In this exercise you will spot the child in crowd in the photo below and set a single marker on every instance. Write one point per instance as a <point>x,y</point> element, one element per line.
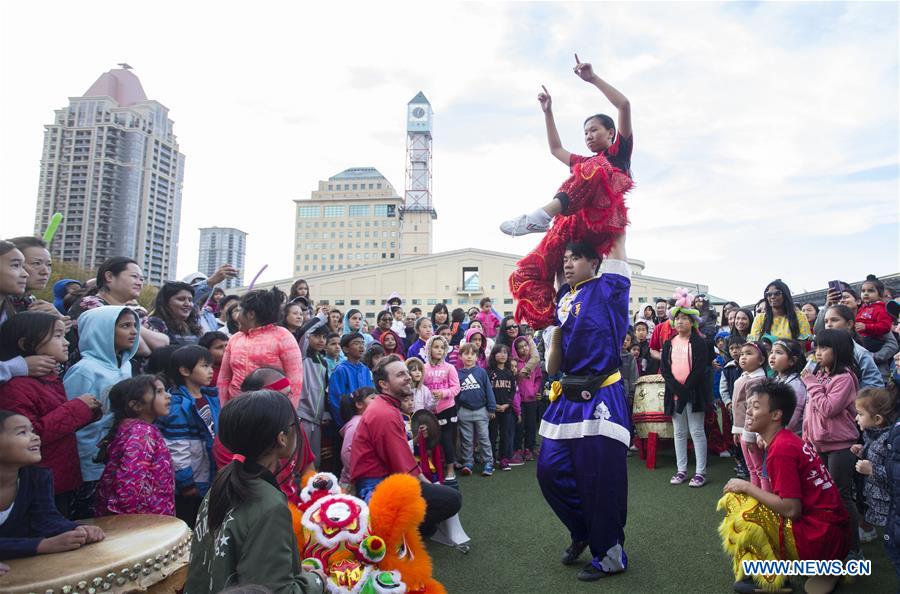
<point>424,331</point>
<point>107,340</point>
<point>349,375</point>
<point>503,425</point>
<point>477,406</point>
<point>244,532</point>
<point>215,343</point>
<point>828,421</point>
<point>647,365</point>
<point>138,478</point>
<point>752,362</point>
<point>872,318</point>
<point>445,331</point>
<point>731,371</point>
<point>353,322</point>
<point>875,413</point>
<point>442,380</point>
<point>190,427</point>
<point>683,366</point>
<point>373,355</point>
<point>787,360</point>
<point>475,335</point>
<point>333,352</point>
<point>312,407</point>
<point>43,400</point>
<point>422,398</point>
<point>528,385</point>
<point>352,408</point>
<point>489,320</point>
<point>260,343</point>
<point>398,324</point>
<point>30,524</point>
<point>392,344</point>
<point>628,368</point>
<point>802,491</point>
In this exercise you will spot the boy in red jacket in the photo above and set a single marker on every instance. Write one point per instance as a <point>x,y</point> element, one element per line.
<point>872,319</point>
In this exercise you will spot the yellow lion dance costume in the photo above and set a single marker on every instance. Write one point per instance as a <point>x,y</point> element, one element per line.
<point>365,549</point>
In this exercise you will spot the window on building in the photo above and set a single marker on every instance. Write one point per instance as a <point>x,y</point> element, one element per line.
<point>432,302</point>
<point>392,255</point>
<point>507,302</point>
<point>379,186</point>
<point>339,302</point>
<point>464,302</point>
<point>417,302</point>
<point>309,212</point>
<point>359,210</point>
<point>471,280</point>
<point>381,210</point>
<point>354,302</point>
<point>306,268</point>
<point>370,302</point>
<point>370,315</point>
<point>371,186</point>
<point>354,186</point>
<point>346,186</point>
<point>448,302</point>
<point>334,211</point>
<point>330,187</point>
<point>642,300</point>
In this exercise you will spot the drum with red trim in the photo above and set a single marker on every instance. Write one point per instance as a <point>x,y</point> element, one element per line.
<point>648,416</point>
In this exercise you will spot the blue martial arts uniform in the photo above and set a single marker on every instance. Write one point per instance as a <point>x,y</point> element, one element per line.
<point>582,463</point>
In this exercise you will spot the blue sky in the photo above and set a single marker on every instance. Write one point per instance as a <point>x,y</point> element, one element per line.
<point>766,134</point>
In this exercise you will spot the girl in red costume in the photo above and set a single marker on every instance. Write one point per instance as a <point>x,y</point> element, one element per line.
<point>590,205</point>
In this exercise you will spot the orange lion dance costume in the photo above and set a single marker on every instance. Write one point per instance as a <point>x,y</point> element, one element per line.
<point>365,549</point>
<point>596,213</point>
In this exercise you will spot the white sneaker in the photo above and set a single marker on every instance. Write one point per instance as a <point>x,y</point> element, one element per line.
<point>867,536</point>
<point>725,454</point>
<point>535,222</point>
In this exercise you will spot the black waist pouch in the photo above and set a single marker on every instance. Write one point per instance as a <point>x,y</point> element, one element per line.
<point>581,388</point>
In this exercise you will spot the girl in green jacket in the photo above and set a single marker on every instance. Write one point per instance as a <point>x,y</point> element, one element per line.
<point>243,533</point>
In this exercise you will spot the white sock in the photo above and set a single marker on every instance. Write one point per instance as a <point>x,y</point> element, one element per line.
<point>540,216</point>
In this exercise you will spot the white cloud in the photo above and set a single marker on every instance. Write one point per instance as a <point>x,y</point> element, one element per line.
<point>748,119</point>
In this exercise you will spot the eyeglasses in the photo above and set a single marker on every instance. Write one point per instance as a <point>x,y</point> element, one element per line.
<point>775,293</point>
<point>508,328</point>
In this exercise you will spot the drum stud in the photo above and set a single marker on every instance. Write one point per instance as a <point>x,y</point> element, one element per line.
<point>110,576</point>
<point>120,581</point>
<point>137,567</point>
<point>125,572</point>
<point>146,570</point>
<point>159,558</point>
<point>106,586</point>
<point>92,590</point>
<point>67,590</point>
<point>82,585</point>
<point>48,592</point>
<point>96,581</point>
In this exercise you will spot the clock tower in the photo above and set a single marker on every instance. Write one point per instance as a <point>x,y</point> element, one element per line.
<point>417,214</point>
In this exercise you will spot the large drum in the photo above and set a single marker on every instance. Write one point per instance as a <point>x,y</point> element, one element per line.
<point>139,554</point>
<point>648,416</point>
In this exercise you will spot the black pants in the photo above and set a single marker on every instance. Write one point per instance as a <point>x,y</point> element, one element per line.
<point>447,421</point>
<point>441,502</point>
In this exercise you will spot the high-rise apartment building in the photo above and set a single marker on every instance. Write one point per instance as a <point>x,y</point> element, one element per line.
<point>223,245</point>
<point>111,166</point>
<point>352,220</point>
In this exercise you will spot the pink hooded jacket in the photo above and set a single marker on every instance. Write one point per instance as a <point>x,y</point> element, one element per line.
<point>528,387</point>
<point>829,419</point>
<point>441,379</point>
<point>482,360</point>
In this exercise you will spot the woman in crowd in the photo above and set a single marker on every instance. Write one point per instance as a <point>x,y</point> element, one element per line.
<point>174,314</point>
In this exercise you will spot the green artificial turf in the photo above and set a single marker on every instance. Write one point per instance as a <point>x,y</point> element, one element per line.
<point>671,538</point>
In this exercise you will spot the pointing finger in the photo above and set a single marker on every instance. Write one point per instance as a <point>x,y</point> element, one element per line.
<point>577,61</point>
<point>545,89</point>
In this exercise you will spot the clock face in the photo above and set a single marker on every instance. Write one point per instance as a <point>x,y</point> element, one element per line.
<point>418,113</point>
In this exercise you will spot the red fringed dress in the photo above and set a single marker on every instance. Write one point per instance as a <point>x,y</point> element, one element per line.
<point>596,213</point>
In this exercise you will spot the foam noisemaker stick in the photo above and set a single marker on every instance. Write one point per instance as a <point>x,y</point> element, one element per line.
<point>253,282</point>
<point>55,220</point>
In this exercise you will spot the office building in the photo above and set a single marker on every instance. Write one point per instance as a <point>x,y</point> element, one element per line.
<point>223,245</point>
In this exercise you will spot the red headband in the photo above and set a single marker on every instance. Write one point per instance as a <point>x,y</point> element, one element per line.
<point>278,385</point>
<point>238,458</point>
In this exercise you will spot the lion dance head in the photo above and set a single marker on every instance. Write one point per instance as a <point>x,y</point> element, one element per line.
<point>365,549</point>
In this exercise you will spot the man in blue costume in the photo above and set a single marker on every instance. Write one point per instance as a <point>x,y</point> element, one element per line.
<point>587,428</point>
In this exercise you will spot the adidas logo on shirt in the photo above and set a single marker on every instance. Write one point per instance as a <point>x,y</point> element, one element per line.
<point>470,383</point>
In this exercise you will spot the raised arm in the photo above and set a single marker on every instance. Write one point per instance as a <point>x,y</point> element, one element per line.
<point>586,72</point>
<point>556,147</point>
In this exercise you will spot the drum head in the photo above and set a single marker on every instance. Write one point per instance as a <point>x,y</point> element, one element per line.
<point>138,551</point>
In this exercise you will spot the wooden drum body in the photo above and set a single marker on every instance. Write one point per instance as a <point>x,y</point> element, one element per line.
<point>139,554</point>
<point>649,403</point>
